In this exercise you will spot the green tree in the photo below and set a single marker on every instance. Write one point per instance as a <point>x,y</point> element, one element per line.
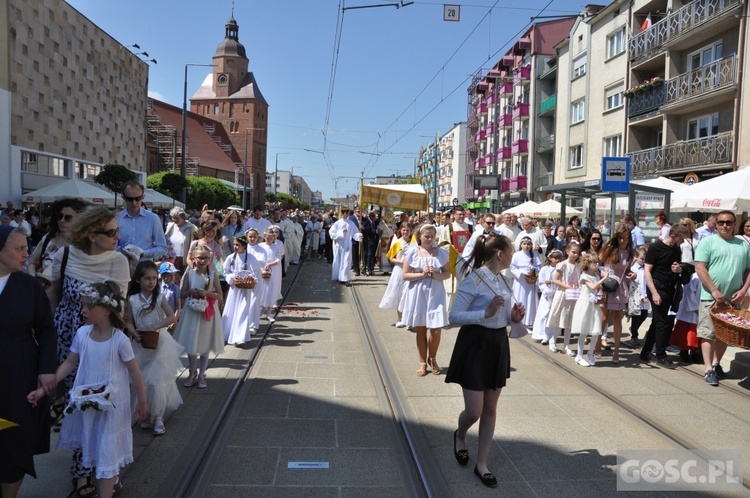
<point>114,176</point>
<point>168,183</point>
<point>211,191</point>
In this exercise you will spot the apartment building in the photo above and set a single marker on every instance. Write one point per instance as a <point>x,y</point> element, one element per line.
<point>511,114</point>
<point>683,97</point>
<point>592,67</point>
<point>441,168</point>
<point>72,98</point>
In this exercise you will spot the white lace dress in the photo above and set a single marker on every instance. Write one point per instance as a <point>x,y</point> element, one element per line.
<point>104,437</point>
<point>196,334</point>
<point>587,316</point>
<point>396,284</point>
<point>159,366</point>
<point>424,301</point>
<point>241,315</point>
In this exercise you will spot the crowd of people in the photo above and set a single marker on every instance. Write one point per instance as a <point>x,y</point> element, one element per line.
<point>108,300</point>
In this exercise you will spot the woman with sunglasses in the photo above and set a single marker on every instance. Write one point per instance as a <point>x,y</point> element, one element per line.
<point>91,258</point>
<point>592,243</point>
<point>62,213</point>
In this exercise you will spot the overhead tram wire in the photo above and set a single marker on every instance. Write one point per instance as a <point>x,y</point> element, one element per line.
<point>460,85</point>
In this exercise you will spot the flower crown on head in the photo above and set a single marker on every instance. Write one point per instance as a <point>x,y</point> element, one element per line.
<point>112,301</point>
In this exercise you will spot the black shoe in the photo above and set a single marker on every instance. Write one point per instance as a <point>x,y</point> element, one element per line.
<point>685,356</point>
<point>348,284</point>
<point>720,373</point>
<point>462,456</point>
<point>665,362</point>
<point>487,479</point>
<point>645,358</point>
<point>710,378</point>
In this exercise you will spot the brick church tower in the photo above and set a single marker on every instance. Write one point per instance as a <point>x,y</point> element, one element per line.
<point>231,96</point>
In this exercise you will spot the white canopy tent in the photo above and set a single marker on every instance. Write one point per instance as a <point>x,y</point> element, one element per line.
<point>521,208</point>
<point>644,201</point>
<point>154,199</point>
<point>551,209</point>
<point>730,192</point>
<point>72,188</point>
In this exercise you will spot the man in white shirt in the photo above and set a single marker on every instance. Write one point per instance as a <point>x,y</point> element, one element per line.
<point>287,228</point>
<point>538,239</point>
<point>256,221</point>
<point>507,227</point>
<point>446,242</point>
<point>708,228</point>
<point>342,233</point>
<point>635,231</point>
<point>19,221</point>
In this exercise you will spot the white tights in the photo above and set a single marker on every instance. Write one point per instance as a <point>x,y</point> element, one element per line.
<point>193,361</point>
<point>582,345</point>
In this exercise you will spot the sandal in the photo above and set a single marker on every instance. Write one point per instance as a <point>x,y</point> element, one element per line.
<point>85,490</point>
<point>434,365</point>
<point>56,412</point>
<point>422,370</point>
<point>191,380</point>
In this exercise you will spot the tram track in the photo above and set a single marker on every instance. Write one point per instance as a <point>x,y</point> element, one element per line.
<point>197,472</point>
<point>674,434</point>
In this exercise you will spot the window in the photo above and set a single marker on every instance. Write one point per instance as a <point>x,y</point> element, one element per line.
<point>579,66</point>
<point>705,56</point>
<point>612,146</point>
<point>613,97</point>
<point>576,157</point>
<point>616,43</point>
<point>45,165</point>
<point>577,111</point>
<point>704,126</point>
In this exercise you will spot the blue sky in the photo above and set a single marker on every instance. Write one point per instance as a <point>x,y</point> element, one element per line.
<point>401,75</point>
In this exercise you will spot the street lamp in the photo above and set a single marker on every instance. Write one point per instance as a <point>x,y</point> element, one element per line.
<point>183,194</point>
<point>276,173</point>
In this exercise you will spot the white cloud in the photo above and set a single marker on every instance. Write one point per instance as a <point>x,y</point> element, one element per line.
<point>156,95</point>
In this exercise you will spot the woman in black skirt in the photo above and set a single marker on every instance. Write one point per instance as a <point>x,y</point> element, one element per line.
<point>481,356</point>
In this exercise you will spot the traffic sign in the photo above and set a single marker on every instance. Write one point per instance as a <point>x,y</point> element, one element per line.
<point>615,174</point>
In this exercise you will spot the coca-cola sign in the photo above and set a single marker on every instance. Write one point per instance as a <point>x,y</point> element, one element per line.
<point>715,203</point>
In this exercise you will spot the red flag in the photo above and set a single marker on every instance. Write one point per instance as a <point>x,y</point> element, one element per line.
<point>647,23</point>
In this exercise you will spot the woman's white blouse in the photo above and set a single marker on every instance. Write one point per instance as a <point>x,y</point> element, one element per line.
<point>473,297</point>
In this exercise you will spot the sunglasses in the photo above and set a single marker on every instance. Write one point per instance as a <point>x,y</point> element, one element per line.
<point>728,223</point>
<point>489,222</point>
<point>67,217</point>
<point>132,199</point>
<point>111,233</point>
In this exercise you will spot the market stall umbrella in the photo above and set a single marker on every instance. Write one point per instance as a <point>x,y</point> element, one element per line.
<point>235,207</point>
<point>521,208</point>
<point>603,203</point>
<point>409,197</point>
<point>730,192</point>
<point>551,209</point>
<point>154,199</point>
<point>72,188</point>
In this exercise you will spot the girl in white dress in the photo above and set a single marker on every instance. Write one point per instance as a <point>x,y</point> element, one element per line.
<point>271,290</point>
<point>241,315</point>
<point>147,309</point>
<point>424,301</point>
<point>587,314</point>
<point>526,263</point>
<point>106,356</point>
<point>199,330</point>
<point>395,289</point>
<point>541,332</point>
<point>566,277</point>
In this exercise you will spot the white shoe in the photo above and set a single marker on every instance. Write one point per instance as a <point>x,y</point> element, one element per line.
<point>569,351</point>
<point>581,362</point>
<point>399,325</point>
<point>552,347</point>
<point>592,360</point>
<point>159,427</point>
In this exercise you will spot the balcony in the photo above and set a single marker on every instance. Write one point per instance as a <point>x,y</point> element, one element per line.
<point>491,98</point>
<point>522,73</point>
<point>544,180</point>
<point>518,183</point>
<point>505,89</point>
<point>521,45</point>
<point>703,80</point>
<point>482,108</point>
<point>504,153</point>
<point>481,136</point>
<point>490,128</point>
<point>646,101</point>
<point>520,146</point>
<point>479,163</point>
<point>547,106</point>
<point>546,144</point>
<point>507,61</point>
<point>505,121</point>
<point>521,110</point>
<point>505,184</point>
<point>707,151</point>
<point>676,25</point>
